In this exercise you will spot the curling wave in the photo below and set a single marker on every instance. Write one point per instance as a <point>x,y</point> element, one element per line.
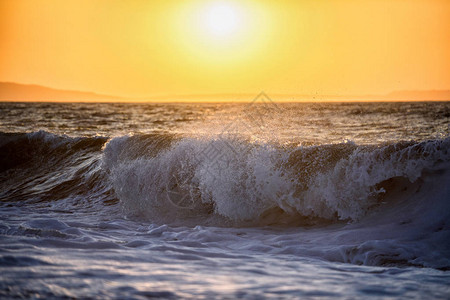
<point>168,179</point>
<point>397,194</point>
<point>383,205</point>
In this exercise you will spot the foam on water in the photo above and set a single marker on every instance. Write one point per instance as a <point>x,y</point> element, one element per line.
<point>334,182</point>
<point>395,193</point>
<point>174,214</point>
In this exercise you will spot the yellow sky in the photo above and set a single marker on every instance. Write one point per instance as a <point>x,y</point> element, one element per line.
<point>146,48</point>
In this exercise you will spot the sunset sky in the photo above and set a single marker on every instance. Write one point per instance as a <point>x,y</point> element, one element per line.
<point>148,48</point>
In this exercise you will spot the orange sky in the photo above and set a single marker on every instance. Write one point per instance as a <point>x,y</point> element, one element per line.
<point>146,48</point>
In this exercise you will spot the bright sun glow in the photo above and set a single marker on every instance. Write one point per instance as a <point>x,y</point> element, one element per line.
<point>222,19</point>
<point>220,35</point>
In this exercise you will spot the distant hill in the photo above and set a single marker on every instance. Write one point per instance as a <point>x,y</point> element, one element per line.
<point>24,92</point>
<point>28,92</point>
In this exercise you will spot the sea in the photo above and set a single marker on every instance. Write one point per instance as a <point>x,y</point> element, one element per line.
<point>256,200</point>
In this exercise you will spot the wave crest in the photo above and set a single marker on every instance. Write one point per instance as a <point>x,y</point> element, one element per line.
<point>262,184</point>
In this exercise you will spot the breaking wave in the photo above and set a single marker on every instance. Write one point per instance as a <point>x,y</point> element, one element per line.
<point>166,179</point>
<point>391,192</point>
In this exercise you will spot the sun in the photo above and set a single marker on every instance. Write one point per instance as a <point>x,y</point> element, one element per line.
<point>221,34</point>
<point>222,19</point>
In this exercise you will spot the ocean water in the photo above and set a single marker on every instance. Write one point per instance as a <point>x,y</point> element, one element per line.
<point>235,201</point>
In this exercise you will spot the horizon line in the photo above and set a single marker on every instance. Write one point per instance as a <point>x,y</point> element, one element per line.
<point>219,97</point>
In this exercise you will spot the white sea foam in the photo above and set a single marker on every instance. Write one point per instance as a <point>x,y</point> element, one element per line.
<point>163,214</point>
<point>248,181</point>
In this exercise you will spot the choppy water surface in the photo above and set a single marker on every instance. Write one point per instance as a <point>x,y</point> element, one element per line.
<point>261,200</point>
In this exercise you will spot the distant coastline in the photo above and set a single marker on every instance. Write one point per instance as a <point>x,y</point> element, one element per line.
<point>16,92</point>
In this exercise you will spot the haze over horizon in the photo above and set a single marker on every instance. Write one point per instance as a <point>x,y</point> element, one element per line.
<point>141,49</point>
<point>16,92</point>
